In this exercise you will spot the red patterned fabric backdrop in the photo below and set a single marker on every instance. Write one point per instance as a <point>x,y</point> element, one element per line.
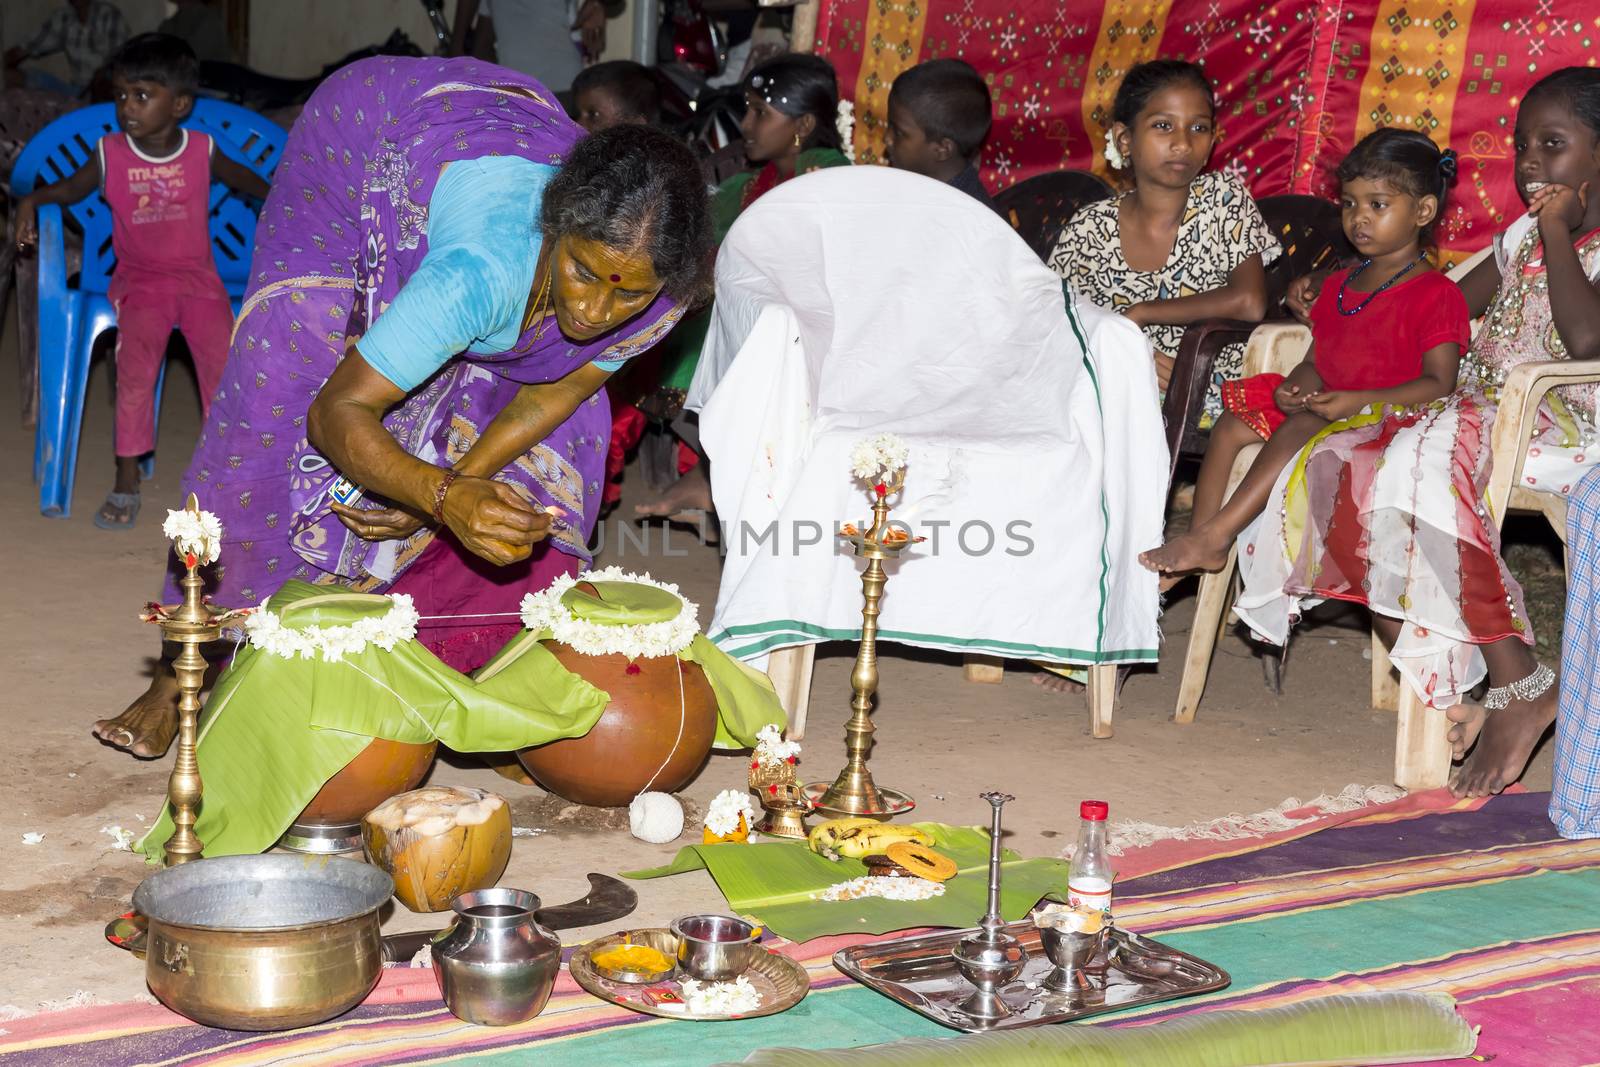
<point>1298,82</point>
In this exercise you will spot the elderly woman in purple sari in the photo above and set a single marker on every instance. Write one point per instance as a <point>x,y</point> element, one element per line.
<point>446,272</point>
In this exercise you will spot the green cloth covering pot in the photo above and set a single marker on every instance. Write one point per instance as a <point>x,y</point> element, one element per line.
<point>774,881</point>
<point>274,730</point>
<point>746,701</point>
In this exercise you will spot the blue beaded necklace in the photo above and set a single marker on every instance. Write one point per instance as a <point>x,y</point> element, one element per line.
<point>1353,275</point>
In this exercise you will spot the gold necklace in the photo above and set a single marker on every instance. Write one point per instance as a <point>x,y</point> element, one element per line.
<point>538,312</point>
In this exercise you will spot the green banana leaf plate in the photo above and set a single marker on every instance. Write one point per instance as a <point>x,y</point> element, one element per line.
<point>776,882</point>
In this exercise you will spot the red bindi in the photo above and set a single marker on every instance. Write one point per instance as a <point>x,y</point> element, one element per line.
<point>615,278</point>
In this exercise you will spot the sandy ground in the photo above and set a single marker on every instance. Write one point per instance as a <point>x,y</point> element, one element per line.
<point>75,652</point>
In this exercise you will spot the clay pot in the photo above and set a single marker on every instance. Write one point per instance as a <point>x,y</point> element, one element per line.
<point>612,763</point>
<point>438,843</point>
<point>378,772</point>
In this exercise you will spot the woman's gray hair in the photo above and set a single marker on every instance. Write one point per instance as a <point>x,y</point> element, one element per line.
<point>637,189</point>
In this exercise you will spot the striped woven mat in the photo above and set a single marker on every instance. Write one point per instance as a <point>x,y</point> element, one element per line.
<point>1480,900</point>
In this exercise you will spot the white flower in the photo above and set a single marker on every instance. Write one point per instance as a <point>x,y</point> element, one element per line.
<point>721,998</point>
<point>878,458</point>
<point>266,631</point>
<point>197,534</point>
<point>845,122</point>
<point>1114,155</point>
<point>722,814</point>
<point>772,749</point>
<point>544,611</point>
<point>122,840</point>
<point>878,886</point>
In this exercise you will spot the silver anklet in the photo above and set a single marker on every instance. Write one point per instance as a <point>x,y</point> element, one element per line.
<point>1532,687</point>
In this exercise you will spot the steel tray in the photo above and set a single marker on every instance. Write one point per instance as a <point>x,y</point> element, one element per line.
<point>920,973</point>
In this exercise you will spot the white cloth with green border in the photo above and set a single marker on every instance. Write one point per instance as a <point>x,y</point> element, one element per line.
<point>864,300</point>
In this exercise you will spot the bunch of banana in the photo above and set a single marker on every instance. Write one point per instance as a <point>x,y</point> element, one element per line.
<point>857,837</point>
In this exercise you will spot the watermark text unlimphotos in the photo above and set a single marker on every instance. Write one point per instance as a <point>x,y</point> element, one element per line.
<point>620,538</point>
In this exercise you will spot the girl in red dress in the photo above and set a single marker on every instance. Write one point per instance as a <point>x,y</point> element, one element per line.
<point>1388,331</point>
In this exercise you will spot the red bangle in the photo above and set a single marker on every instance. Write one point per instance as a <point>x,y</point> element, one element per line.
<point>439,494</point>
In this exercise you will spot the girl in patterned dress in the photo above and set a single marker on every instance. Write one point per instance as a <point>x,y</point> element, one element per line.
<point>1389,331</point>
<point>1387,508</point>
<point>446,271</point>
<point>1185,244</point>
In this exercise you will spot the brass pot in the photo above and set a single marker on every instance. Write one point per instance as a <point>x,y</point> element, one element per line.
<point>268,942</point>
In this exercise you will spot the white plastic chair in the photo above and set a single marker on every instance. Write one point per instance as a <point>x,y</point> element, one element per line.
<point>1422,754</point>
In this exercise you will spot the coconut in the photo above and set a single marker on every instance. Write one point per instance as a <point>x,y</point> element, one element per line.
<point>439,842</point>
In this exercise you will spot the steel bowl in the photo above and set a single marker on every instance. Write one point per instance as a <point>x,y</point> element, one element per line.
<point>715,948</point>
<point>269,942</point>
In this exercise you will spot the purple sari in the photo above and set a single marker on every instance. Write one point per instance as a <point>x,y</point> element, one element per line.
<point>344,227</point>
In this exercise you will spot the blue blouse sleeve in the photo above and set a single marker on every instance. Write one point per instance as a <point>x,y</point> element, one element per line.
<point>483,245</point>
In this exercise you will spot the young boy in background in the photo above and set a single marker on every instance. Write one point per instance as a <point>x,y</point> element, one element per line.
<point>156,178</point>
<point>939,115</point>
<point>616,93</point>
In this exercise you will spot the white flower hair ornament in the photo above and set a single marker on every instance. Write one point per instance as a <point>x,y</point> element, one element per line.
<point>1114,154</point>
<point>845,122</point>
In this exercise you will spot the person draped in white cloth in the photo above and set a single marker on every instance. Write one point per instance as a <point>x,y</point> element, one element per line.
<point>860,301</point>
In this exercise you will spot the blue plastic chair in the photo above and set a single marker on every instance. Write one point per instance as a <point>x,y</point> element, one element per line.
<point>73,316</point>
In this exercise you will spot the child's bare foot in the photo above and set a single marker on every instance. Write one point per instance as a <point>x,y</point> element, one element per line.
<point>147,727</point>
<point>1466,719</point>
<point>1051,682</point>
<point>1505,745</point>
<point>1204,549</point>
<point>685,500</point>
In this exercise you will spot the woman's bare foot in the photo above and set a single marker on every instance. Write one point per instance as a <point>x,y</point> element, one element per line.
<point>147,728</point>
<point>1505,744</point>
<point>1466,720</point>
<point>1204,549</point>
<point>686,500</point>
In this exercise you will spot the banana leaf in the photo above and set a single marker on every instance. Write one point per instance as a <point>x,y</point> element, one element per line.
<point>776,880</point>
<point>1372,1028</point>
<point>274,730</point>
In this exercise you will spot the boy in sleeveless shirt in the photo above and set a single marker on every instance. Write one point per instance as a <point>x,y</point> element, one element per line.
<point>156,178</point>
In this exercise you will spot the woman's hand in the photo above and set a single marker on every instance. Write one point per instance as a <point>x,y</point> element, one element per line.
<point>378,524</point>
<point>1135,313</point>
<point>1336,404</point>
<point>1561,206</point>
<point>492,521</point>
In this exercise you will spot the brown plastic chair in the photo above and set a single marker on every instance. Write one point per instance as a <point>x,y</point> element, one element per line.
<point>1312,235</point>
<point>1039,207</point>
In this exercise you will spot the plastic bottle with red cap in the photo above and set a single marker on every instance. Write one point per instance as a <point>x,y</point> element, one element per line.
<point>1090,876</point>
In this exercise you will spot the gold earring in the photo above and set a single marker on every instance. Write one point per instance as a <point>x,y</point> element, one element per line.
<point>797,140</point>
